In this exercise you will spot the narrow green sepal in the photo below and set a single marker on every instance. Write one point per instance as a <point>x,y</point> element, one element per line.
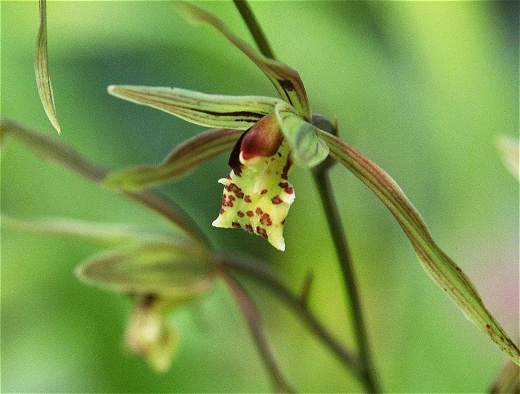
<point>181,161</point>
<point>41,67</point>
<point>209,110</point>
<point>434,261</point>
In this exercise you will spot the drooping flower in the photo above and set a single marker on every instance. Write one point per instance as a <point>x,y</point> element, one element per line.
<point>257,194</point>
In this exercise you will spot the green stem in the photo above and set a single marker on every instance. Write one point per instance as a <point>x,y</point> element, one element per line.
<point>345,260</point>
<point>255,270</point>
<point>332,214</point>
<point>250,312</point>
<point>254,28</point>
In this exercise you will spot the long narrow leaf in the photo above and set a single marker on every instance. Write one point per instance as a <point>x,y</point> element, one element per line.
<point>210,110</point>
<point>436,263</point>
<point>181,161</point>
<point>286,80</point>
<point>106,233</point>
<point>41,67</point>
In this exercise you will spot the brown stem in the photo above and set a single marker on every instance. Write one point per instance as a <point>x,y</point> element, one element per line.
<point>255,271</point>
<point>250,312</point>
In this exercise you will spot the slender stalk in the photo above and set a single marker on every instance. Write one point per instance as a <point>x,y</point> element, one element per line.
<point>250,312</point>
<point>332,214</point>
<point>255,29</point>
<point>54,150</point>
<point>256,271</point>
<point>352,294</point>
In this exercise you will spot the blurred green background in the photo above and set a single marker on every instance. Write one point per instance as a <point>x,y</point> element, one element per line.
<point>422,88</point>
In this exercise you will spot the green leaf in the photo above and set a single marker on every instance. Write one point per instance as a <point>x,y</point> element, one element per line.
<point>286,80</point>
<point>306,148</point>
<point>181,161</point>
<point>107,233</point>
<point>210,110</point>
<point>435,262</point>
<point>173,271</point>
<point>41,67</point>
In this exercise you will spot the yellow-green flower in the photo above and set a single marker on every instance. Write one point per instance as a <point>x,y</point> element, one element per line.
<point>257,193</point>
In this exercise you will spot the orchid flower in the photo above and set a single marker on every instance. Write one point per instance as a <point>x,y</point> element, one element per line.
<point>269,135</point>
<point>278,133</point>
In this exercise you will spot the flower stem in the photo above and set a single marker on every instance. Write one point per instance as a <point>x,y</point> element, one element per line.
<point>322,181</point>
<point>250,312</point>
<point>353,299</point>
<point>255,270</point>
<point>255,29</point>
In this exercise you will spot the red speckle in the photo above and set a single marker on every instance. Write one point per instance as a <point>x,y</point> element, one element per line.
<point>289,190</point>
<point>233,188</point>
<point>228,177</point>
<point>240,214</point>
<point>247,198</point>
<point>266,220</point>
<point>258,211</point>
<point>283,221</point>
<point>222,211</point>
<point>240,195</point>
<point>249,228</point>
<point>263,191</point>
<point>249,213</point>
<point>260,231</point>
<point>284,185</point>
<point>236,225</point>
<point>227,201</point>
<point>276,200</point>
<point>286,168</point>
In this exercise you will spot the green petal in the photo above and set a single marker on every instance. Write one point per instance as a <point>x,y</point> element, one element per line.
<point>173,271</point>
<point>435,262</point>
<point>307,148</point>
<point>210,110</point>
<point>259,199</point>
<point>41,67</point>
<point>181,161</point>
<point>285,79</point>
